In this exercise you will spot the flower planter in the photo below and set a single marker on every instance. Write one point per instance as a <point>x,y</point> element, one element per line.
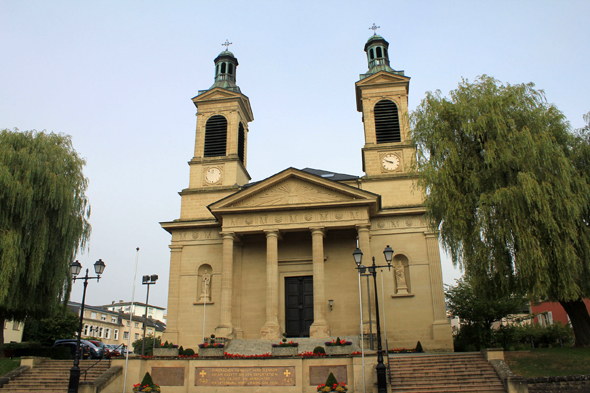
<point>338,350</point>
<point>284,351</point>
<point>211,352</point>
<point>166,352</point>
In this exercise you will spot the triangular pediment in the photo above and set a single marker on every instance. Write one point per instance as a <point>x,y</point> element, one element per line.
<point>293,188</point>
<point>383,77</point>
<point>216,94</point>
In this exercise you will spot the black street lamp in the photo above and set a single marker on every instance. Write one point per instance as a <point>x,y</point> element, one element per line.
<point>147,280</point>
<point>358,259</point>
<point>76,267</point>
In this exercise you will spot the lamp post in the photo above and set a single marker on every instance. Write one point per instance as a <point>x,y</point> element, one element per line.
<point>147,280</point>
<point>75,268</point>
<point>358,259</point>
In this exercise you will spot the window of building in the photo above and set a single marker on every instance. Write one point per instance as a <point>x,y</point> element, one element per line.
<point>136,324</point>
<point>127,322</point>
<point>15,325</point>
<point>116,334</point>
<point>387,127</point>
<point>101,332</point>
<point>93,315</point>
<point>107,333</point>
<point>114,319</point>
<point>215,136</point>
<point>137,336</point>
<point>125,335</point>
<point>379,52</point>
<point>371,54</point>
<point>223,68</point>
<point>241,142</point>
<point>86,327</point>
<point>103,317</point>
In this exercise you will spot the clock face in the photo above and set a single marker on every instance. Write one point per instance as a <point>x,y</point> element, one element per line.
<point>390,162</point>
<point>212,175</point>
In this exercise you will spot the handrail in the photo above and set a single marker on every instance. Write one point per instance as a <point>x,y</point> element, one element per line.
<point>86,370</point>
<point>388,364</point>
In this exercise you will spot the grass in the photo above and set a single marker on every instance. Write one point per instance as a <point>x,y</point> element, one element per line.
<point>8,364</point>
<point>549,362</point>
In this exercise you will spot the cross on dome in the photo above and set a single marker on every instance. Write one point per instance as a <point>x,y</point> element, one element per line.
<point>374,28</point>
<point>227,43</point>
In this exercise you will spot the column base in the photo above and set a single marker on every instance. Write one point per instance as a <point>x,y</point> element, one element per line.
<point>270,332</point>
<point>225,332</point>
<point>319,330</point>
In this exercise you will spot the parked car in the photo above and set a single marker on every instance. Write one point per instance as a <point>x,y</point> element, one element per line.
<point>94,351</point>
<point>106,351</point>
<point>85,351</point>
<point>115,349</point>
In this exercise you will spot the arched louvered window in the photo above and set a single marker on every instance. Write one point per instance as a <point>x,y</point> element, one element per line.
<point>241,142</point>
<point>371,55</point>
<point>379,54</point>
<point>215,136</point>
<point>223,68</point>
<point>387,122</point>
<point>230,68</point>
<point>384,52</point>
<point>217,70</point>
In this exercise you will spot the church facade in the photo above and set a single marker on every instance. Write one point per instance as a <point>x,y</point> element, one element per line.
<point>262,259</point>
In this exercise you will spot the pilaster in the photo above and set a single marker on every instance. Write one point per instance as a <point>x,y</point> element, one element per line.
<point>271,329</point>
<point>319,327</point>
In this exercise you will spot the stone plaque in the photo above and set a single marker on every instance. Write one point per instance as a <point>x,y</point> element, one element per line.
<point>319,374</point>
<point>244,376</point>
<point>168,376</point>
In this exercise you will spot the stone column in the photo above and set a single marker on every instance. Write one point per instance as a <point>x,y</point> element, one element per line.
<point>319,328</point>
<point>365,246</point>
<point>271,329</point>
<point>225,328</point>
<point>171,333</point>
<point>441,327</point>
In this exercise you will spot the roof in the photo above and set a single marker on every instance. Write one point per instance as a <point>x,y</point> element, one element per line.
<point>334,176</point>
<point>119,304</point>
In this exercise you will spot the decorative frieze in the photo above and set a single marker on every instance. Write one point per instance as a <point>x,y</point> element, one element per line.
<point>407,222</point>
<point>196,234</point>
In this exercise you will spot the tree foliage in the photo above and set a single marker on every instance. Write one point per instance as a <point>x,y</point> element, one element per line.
<point>481,308</point>
<point>43,220</point>
<point>496,163</point>
<point>62,324</point>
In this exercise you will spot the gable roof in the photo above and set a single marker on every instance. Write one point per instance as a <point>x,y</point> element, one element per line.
<point>296,189</point>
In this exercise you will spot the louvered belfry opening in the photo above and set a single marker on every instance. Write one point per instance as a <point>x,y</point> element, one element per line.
<point>387,122</point>
<point>215,136</point>
<point>241,142</point>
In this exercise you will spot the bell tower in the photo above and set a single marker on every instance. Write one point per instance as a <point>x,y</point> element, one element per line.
<point>223,114</point>
<point>382,97</point>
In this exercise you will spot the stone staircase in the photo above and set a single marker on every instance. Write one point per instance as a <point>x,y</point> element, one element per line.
<point>53,376</point>
<point>259,347</point>
<point>426,373</point>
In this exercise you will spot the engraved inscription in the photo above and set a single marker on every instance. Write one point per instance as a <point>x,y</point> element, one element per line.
<point>182,235</point>
<point>394,223</point>
<point>263,219</point>
<point>168,376</point>
<point>207,234</point>
<point>244,376</point>
<point>319,374</point>
<point>354,214</point>
<point>293,217</point>
<point>233,221</point>
<point>323,216</point>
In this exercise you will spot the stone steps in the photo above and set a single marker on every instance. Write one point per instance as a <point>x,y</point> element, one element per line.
<point>430,373</point>
<point>53,376</point>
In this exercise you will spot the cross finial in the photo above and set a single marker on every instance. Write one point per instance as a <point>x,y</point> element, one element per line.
<point>226,44</point>
<point>374,28</point>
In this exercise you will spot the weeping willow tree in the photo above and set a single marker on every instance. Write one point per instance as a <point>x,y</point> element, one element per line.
<point>43,221</point>
<point>496,162</point>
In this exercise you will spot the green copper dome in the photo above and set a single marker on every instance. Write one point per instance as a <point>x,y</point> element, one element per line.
<point>377,56</point>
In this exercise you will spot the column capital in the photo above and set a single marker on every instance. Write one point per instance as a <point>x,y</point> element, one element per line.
<point>272,233</point>
<point>315,230</point>
<point>363,227</point>
<point>227,235</point>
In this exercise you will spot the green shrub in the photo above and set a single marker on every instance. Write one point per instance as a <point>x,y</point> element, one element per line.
<point>59,353</point>
<point>419,347</point>
<point>189,352</point>
<point>319,349</point>
<point>181,350</point>
<point>331,381</point>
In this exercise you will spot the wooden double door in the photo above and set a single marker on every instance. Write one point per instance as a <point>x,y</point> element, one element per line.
<point>298,305</point>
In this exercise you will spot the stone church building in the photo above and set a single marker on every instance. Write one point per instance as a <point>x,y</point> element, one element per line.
<point>252,260</point>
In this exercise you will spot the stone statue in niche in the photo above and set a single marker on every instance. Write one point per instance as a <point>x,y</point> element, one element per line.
<point>400,279</point>
<point>205,292</point>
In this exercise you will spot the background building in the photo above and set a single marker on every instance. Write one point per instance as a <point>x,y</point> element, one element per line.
<point>13,331</point>
<point>138,309</point>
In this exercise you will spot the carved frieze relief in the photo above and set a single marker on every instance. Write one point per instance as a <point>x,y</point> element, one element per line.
<point>196,234</point>
<point>408,222</point>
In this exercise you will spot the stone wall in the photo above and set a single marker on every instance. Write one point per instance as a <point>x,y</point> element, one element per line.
<point>564,384</point>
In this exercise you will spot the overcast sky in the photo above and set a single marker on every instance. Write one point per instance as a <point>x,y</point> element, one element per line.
<point>118,76</point>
